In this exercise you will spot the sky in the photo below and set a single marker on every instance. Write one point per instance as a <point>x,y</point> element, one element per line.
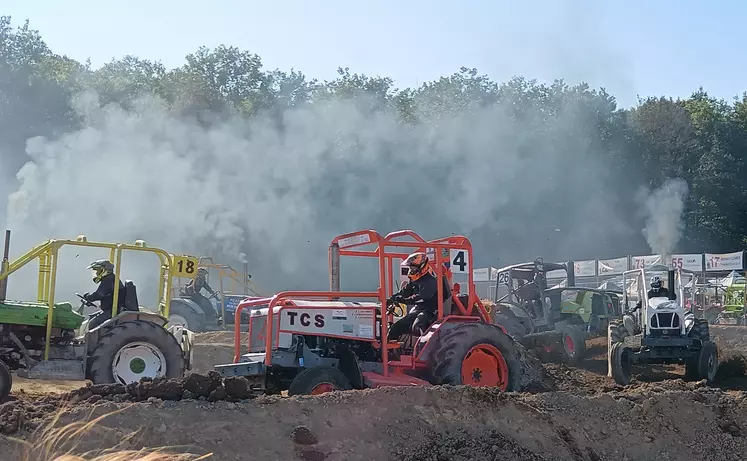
<point>631,48</point>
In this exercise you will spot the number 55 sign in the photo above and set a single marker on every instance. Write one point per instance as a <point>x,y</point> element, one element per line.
<point>184,266</point>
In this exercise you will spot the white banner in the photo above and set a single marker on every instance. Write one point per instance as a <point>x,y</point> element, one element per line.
<point>690,262</point>
<point>585,268</point>
<point>643,262</point>
<point>558,274</point>
<point>493,274</point>
<point>613,266</point>
<point>481,275</point>
<point>724,262</point>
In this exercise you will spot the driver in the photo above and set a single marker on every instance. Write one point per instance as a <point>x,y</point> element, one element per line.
<point>421,290</point>
<point>195,286</point>
<point>103,274</point>
<point>658,290</point>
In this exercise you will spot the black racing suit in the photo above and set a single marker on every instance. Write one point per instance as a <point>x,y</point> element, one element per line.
<point>423,293</point>
<point>660,293</point>
<point>105,295</point>
<point>193,289</point>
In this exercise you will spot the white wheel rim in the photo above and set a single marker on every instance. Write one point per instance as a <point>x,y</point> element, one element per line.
<point>176,319</point>
<point>138,360</point>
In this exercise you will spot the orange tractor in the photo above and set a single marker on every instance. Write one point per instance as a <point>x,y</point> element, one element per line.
<point>311,342</point>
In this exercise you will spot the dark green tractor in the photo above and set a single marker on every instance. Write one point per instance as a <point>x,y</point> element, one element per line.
<point>554,321</point>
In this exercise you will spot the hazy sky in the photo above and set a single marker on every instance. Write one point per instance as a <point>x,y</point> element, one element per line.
<point>630,47</point>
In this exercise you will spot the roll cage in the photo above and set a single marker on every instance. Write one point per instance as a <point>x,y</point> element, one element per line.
<point>442,252</point>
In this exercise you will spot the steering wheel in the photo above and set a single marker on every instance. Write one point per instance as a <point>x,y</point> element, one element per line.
<point>84,300</point>
<point>397,309</point>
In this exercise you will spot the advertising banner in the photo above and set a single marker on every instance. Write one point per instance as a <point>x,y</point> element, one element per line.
<point>724,262</point>
<point>613,266</point>
<point>690,262</point>
<point>585,268</point>
<point>643,262</point>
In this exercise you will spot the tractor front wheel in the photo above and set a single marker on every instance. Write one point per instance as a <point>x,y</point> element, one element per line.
<point>6,381</point>
<point>477,354</point>
<point>133,350</point>
<point>705,364</point>
<point>621,363</point>
<point>318,380</point>
<point>574,343</point>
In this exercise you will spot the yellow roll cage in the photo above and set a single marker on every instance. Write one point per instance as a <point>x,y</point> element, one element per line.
<point>47,253</point>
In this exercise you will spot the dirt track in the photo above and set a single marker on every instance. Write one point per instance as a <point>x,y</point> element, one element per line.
<point>582,416</point>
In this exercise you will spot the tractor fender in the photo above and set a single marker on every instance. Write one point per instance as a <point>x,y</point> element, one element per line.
<point>92,337</point>
<point>189,303</point>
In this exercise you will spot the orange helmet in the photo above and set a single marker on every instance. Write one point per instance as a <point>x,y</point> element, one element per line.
<point>417,265</point>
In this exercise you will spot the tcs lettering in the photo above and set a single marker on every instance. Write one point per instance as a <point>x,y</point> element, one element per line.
<point>305,319</point>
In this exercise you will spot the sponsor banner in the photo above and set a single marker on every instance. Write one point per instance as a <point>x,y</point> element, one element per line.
<point>724,262</point>
<point>644,262</point>
<point>585,268</point>
<point>690,262</point>
<point>493,274</point>
<point>481,275</point>
<point>613,266</point>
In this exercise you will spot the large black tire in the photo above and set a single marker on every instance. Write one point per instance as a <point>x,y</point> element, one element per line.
<point>150,336</point>
<point>463,343</point>
<point>195,321</point>
<point>621,363</point>
<point>574,343</point>
<point>6,381</point>
<point>616,331</point>
<point>700,330</point>
<point>705,364</point>
<point>508,320</point>
<point>319,380</point>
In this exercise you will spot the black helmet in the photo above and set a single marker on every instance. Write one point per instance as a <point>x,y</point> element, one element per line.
<point>101,268</point>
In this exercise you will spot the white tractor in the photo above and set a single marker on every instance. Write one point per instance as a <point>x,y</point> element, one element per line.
<point>659,330</point>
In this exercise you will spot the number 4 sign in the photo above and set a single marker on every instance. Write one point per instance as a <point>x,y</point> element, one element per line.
<point>459,261</point>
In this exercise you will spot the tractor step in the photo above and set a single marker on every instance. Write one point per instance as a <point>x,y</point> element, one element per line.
<point>62,370</point>
<point>371,379</point>
<point>406,361</point>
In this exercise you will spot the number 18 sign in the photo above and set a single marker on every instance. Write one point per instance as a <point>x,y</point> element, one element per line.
<point>184,266</point>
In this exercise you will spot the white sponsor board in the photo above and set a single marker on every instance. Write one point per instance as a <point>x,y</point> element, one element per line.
<point>613,266</point>
<point>724,261</point>
<point>481,274</point>
<point>643,262</point>
<point>585,268</point>
<point>690,262</point>
<point>346,323</point>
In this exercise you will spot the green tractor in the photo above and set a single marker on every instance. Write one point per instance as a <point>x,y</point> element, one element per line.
<point>554,321</point>
<point>732,289</point>
<point>49,339</point>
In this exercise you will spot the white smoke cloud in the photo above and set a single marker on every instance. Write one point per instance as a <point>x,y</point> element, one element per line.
<point>664,209</point>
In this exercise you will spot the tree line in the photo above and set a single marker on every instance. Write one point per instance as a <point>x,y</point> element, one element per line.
<point>700,139</point>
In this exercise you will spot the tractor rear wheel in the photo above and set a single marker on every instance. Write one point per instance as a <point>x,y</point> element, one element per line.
<point>319,380</point>
<point>476,354</point>
<point>130,351</point>
<point>185,316</point>
<point>6,381</point>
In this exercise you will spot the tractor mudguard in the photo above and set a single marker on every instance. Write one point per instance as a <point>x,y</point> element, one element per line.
<point>92,337</point>
<point>189,303</point>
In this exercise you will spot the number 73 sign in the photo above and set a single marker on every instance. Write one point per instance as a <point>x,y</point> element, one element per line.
<point>184,266</point>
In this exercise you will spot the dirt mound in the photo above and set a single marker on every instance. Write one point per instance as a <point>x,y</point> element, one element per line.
<point>669,420</point>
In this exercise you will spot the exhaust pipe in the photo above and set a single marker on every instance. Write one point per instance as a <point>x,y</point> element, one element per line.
<point>670,284</point>
<point>4,267</point>
<point>570,271</point>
